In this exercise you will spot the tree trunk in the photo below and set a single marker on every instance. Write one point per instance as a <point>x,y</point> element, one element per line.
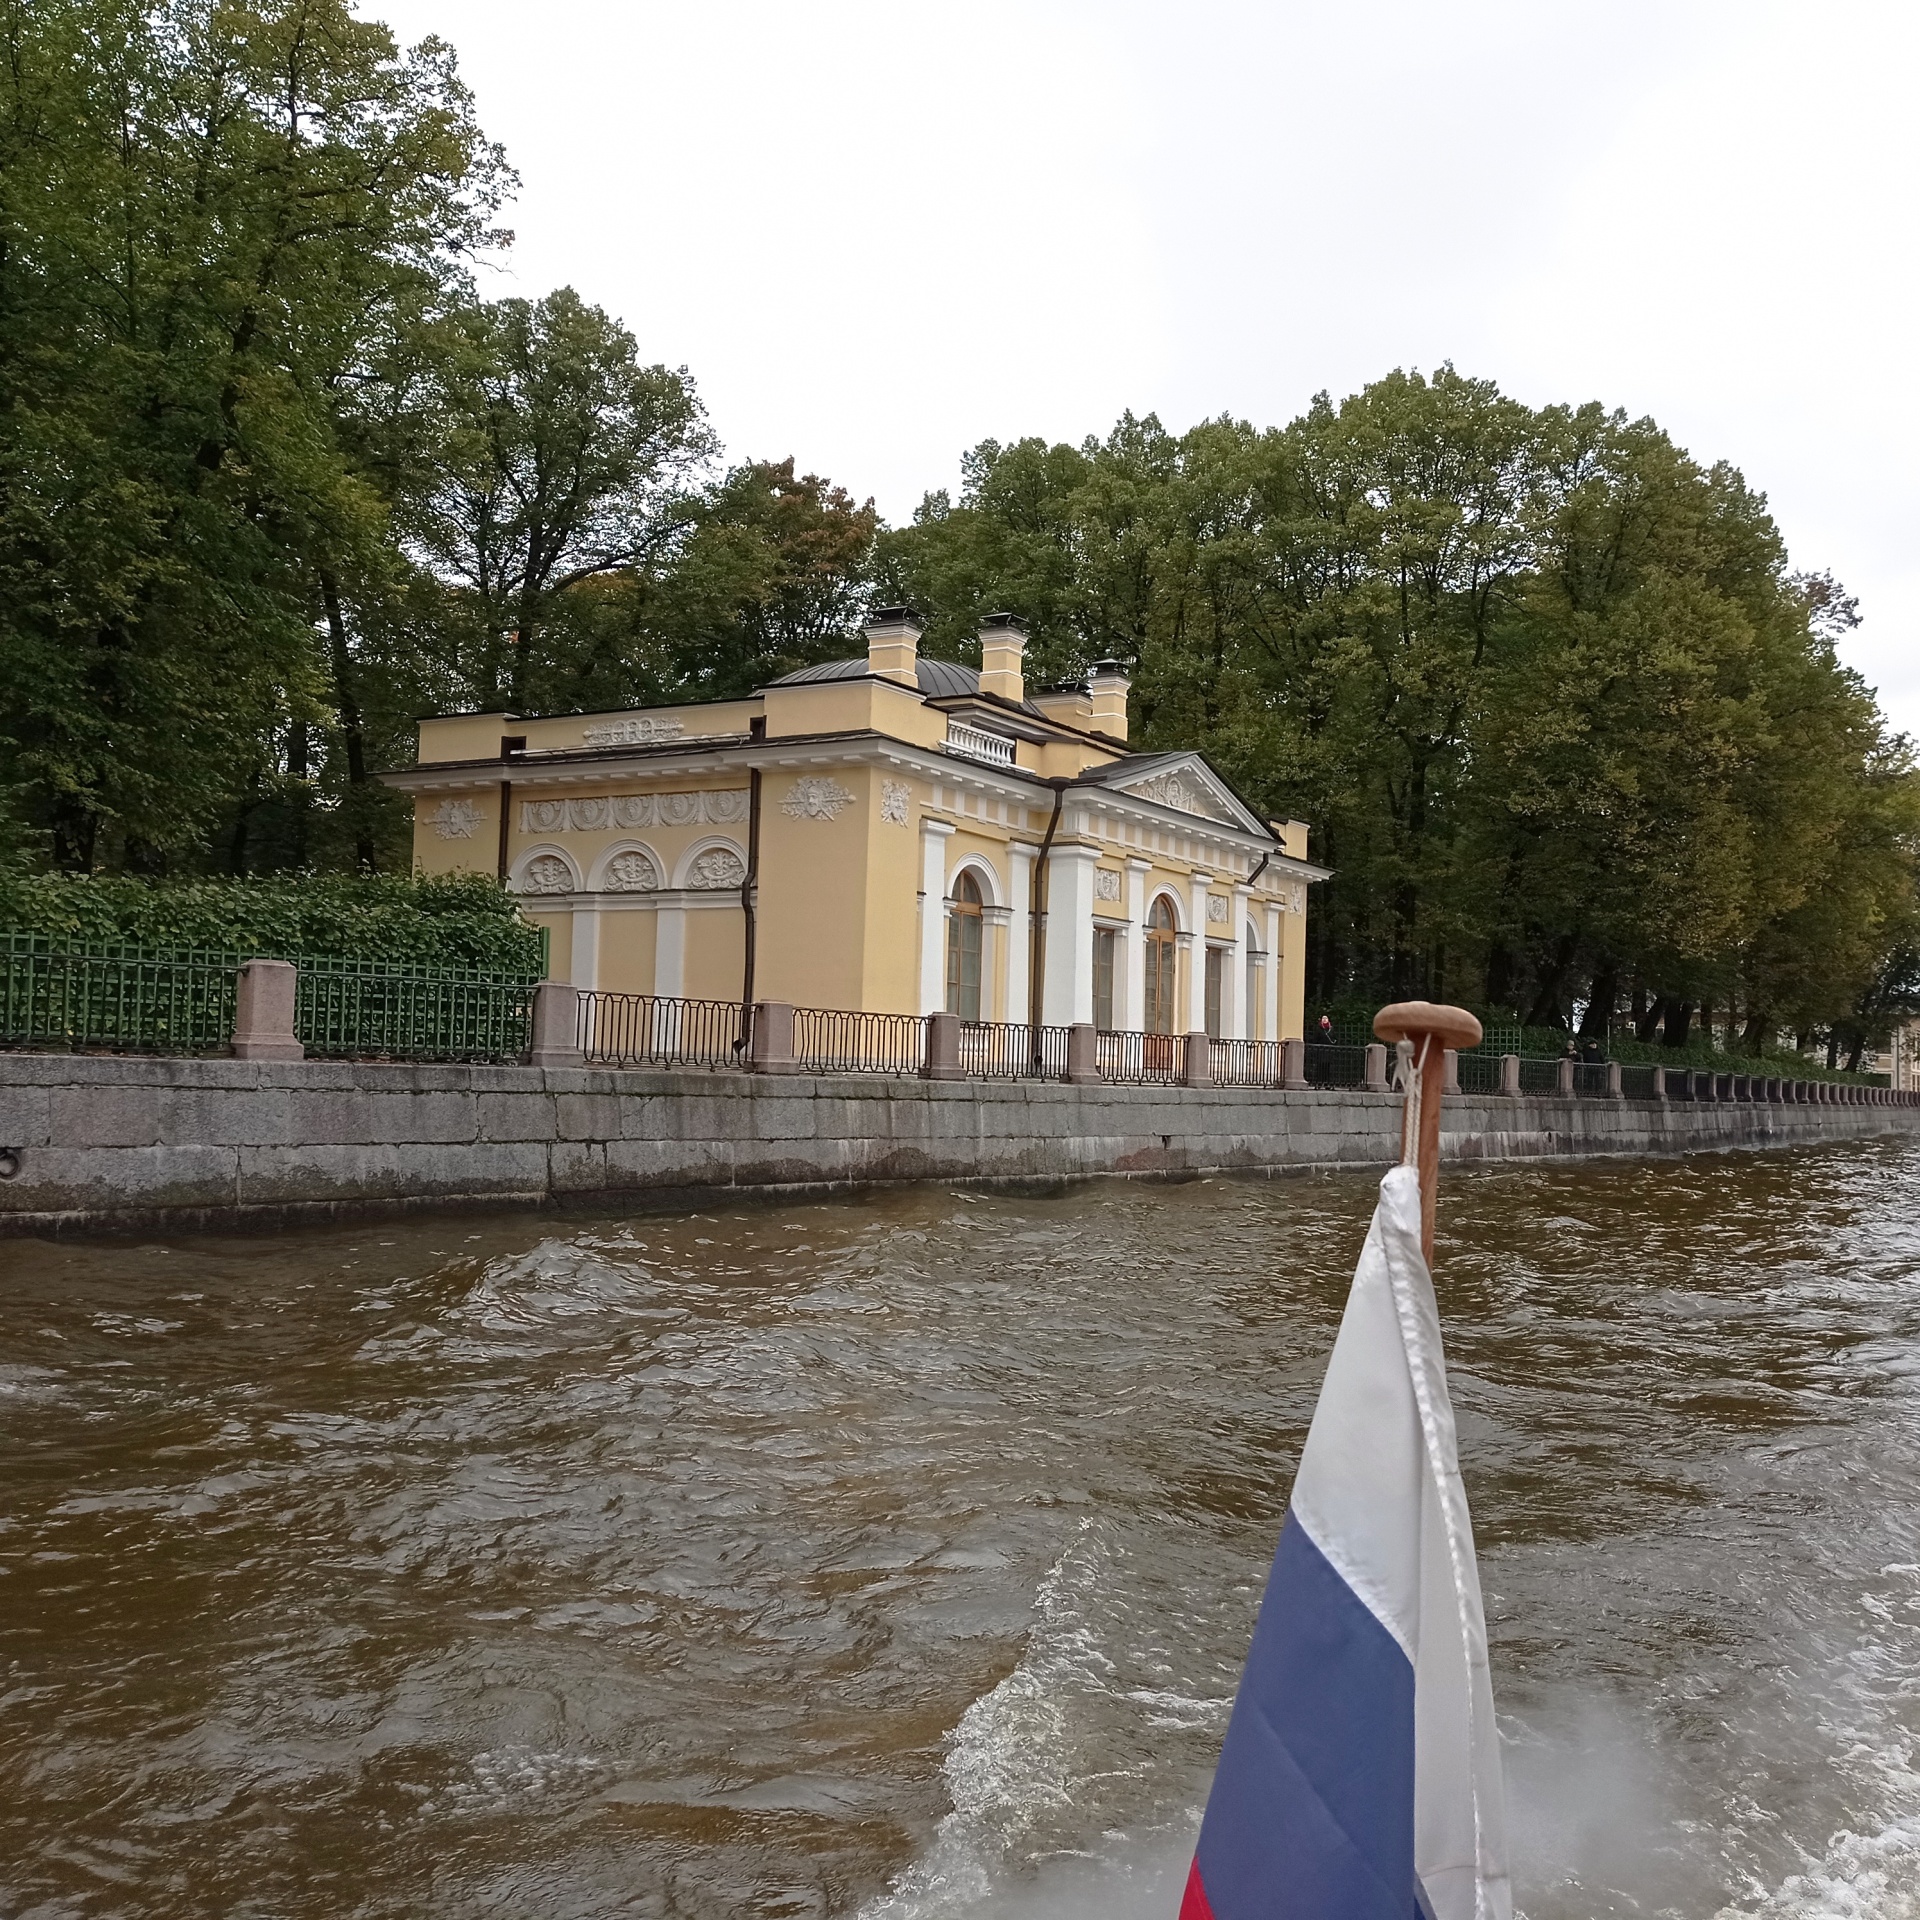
<point>352,729</point>
<point>1679,1018</point>
<point>1647,1023</point>
<point>1859,1048</point>
<point>1753,1035</point>
<point>1546,1003</point>
<point>1597,1023</point>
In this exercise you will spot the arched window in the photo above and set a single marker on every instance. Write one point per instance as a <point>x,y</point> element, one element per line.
<point>1161,955</point>
<point>964,926</point>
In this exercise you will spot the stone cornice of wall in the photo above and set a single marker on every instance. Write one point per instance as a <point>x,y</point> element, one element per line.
<point>107,1143</point>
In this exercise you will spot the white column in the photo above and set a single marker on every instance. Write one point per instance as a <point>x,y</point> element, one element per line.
<point>1235,1015</point>
<point>1197,972</point>
<point>1270,986</point>
<point>934,835</point>
<point>1067,993</point>
<point>670,952</point>
<point>1020,933</point>
<point>584,965</point>
<point>995,932</point>
<point>1131,1014</point>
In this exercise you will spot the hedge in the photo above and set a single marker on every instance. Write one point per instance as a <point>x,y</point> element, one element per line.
<point>463,921</point>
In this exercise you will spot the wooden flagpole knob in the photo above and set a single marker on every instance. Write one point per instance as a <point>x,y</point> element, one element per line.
<point>1453,1027</point>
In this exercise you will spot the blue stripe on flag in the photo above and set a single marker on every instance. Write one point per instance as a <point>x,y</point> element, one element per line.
<point>1312,1807</point>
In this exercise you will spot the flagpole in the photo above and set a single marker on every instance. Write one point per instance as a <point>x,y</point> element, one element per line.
<point>1432,1029</point>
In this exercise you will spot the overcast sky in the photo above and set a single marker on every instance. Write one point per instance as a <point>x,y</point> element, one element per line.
<point>879,233</point>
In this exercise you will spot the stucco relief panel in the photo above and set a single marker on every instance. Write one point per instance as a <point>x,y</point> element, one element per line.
<point>632,872</point>
<point>456,819</point>
<point>546,873</point>
<point>718,867</point>
<point>816,797</point>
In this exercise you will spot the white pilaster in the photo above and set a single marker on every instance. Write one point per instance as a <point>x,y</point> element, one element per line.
<point>1197,972</point>
<point>670,952</point>
<point>934,835</point>
<point>1270,986</point>
<point>1131,1014</point>
<point>1067,992</point>
<point>1235,1015</point>
<point>584,965</point>
<point>1020,934</point>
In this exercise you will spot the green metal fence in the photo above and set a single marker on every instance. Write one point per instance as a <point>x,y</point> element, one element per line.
<point>349,1009</point>
<point>129,999</point>
<point>124,998</point>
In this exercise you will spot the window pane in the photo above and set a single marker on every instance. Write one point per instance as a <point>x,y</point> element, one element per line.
<point>1103,951</point>
<point>1215,972</point>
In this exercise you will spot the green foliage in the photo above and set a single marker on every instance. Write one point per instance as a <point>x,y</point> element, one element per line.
<point>211,217</point>
<point>1563,722</point>
<point>463,921</point>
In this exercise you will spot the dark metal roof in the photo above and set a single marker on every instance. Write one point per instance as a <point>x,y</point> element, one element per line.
<point>938,679</point>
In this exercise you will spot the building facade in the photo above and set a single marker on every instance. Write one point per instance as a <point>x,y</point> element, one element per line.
<point>888,834</point>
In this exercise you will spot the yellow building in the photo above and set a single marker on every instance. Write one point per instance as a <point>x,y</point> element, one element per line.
<point>887,835</point>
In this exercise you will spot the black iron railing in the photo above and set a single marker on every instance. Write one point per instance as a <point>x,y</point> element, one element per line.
<point>1138,1059</point>
<point>1335,1066</point>
<point>996,1050</point>
<point>1248,1063</point>
<point>647,1030</point>
<point>825,1041</point>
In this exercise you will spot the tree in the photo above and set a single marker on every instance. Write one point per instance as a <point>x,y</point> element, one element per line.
<point>562,460</point>
<point>203,208</point>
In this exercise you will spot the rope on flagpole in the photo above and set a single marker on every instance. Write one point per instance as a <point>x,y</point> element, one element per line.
<point>1432,1030</point>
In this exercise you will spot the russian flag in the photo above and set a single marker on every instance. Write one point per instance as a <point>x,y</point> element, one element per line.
<point>1360,1779</point>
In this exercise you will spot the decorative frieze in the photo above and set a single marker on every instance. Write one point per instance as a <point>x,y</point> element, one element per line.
<point>720,807</point>
<point>816,796</point>
<point>634,733</point>
<point>456,819</point>
<point>1184,796</point>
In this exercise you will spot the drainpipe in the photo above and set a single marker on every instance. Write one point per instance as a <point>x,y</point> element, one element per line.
<point>510,744</point>
<point>1036,951</point>
<point>748,906</point>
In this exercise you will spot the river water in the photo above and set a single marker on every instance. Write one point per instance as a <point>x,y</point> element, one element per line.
<point>894,1558</point>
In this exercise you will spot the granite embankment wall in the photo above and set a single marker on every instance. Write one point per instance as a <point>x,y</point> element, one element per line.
<point>92,1143</point>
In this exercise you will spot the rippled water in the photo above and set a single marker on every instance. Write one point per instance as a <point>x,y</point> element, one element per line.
<point>896,1557</point>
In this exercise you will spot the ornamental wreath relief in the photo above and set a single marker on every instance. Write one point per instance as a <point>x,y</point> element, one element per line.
<point>817,796</point>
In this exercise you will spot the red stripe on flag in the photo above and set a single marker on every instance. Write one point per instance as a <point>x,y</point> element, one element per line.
<point>1194,1906</point>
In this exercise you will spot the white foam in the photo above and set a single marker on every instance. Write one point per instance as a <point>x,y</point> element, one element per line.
<point>1860,1877</point>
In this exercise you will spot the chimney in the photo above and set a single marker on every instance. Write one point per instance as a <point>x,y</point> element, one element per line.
<point>1107,686</point>
<point>1003,643</point>
<point>893,645</point>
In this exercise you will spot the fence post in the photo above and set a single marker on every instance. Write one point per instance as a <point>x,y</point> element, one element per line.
<point>943,1048</point>
<point>556,1026</point>
<point>1563,1075</point>
<point>1376,1068</point>
<point>772,1050</point>
<point>1083,1053</point>
<point>263,1012</point>
<point>1450,1070</point>
<point>1659,1083</point>
<point>1614,1089</point>
<point>1510,1075</point>
<point>1293,1065</point>
<point>1196,1066</point>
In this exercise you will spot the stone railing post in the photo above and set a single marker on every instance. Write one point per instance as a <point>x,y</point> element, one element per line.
<point>263,1012</point>
<point>556,1026</point>
<point>1083,1053</point>
<point>943,1048</point>
<point>1563,1076</point>
<point>1614,1089</point>
<point>1376,1068</point>
<point>1510,1075</point>
<point>1659,1083</point>
<point>773,1038</point>
<point>1196,1067</point>
<point>1450,1070</point>
<point>1293,1065</point>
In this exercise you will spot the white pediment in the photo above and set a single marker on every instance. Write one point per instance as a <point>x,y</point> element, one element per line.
<point>1190,786</point>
